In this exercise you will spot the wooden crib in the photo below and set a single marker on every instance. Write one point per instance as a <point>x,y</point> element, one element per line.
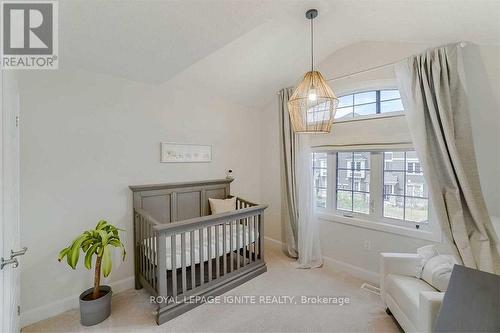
<point>184,255</point>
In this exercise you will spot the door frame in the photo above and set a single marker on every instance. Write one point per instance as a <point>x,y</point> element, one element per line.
<point>9,200</point>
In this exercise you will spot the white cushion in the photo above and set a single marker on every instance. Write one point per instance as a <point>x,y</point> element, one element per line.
<point>437,271</point>
<point>405,290</point>
<point>426,253</point>
<point>218,206</point>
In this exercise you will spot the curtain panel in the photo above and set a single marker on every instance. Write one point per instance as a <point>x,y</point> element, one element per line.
<point>434,96</point>
<point>300,224</point>
<point>288,157</point>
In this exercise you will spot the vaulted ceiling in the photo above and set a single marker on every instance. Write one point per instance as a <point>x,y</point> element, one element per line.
<point>248,49</point>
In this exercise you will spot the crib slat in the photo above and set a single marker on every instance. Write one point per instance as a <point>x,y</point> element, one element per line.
<point>244,247</point>
<point>183,261</point>
<point>217,250</point>
<point>209,238</point>
<point>151,255</point>
<point>191,254</point>
<point>231,246</point>
<point>148,253</point>
<point>202,256</point>
<point>150,250</point>
<point>162,264</point>
<point>139,243</point>
<point>143,253</point>
<point>261,236</point>
<point>256,236</point>
<point>173,259</point>
<point>145,249</point>
<point>224,246</point>
<point>250,239</point>
<point>155,259</point>
<point>238,245</point>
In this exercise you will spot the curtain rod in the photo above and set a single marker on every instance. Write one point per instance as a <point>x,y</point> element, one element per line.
<point>461,44</point>
<point>364,144</point>
<point>371,69</point>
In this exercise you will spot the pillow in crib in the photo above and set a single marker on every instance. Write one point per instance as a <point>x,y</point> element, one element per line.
<point>218,206</point>
<point>437,271</point>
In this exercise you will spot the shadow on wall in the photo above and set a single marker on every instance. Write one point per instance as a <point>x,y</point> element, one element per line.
<point>485,121</point>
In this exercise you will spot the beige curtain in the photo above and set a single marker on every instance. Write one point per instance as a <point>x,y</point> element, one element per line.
<point>434,98</point>
<point>289,153</point>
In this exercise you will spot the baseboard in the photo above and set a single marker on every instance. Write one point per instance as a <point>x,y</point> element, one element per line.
<point>337,265</point>
<point>272,240</point>
<point>361,273</point>
<point>63,305</point>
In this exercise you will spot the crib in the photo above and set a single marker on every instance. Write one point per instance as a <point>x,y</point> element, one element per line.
<point>182,254</point>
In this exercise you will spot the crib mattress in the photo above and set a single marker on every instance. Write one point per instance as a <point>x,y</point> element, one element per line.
<point>250,235</point>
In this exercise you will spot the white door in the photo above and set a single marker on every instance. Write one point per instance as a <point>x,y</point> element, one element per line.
<point>9,203</point>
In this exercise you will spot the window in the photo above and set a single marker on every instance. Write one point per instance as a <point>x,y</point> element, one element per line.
<point>413,167</point>
<point>318,113</point>
<point>379,189</point>
<point>353,182</point>
<point>405,191</point>
<point>369,103</point>
<point>320,171</point>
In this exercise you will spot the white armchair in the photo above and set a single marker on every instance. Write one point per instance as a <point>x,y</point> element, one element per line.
<point>413,302</point>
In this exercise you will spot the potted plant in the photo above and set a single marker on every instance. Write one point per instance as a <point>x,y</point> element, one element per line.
<point>95,303</point>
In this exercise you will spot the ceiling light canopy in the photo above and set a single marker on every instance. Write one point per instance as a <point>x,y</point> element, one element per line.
<point>313,104</point>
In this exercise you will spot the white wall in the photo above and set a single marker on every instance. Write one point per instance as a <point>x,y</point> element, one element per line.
<point>345,243</point>
<point>85,138</point>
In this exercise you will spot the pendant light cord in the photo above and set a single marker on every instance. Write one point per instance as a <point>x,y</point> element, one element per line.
<point>312,45</point>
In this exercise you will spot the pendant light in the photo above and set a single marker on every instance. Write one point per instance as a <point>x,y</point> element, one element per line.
<point>313,104</point>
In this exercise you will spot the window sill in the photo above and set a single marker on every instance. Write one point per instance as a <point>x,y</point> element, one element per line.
<point>429,235</point>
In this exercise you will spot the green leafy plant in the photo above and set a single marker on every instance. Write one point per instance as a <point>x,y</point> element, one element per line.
<point>97,242</point>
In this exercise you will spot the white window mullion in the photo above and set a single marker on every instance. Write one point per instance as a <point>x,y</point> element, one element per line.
<point>376,185</point>
<point>331,205</point>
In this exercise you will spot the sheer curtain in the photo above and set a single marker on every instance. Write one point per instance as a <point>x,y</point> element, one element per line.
<point>301,234</point>
<point>308,242</point>
<point>434,97</point>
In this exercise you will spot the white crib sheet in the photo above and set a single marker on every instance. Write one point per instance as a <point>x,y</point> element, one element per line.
<point>243,230</point>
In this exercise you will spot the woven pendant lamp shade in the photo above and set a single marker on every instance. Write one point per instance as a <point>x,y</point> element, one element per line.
<point>312,105</point>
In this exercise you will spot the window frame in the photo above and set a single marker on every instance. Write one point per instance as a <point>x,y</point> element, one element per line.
<point>350,170</point>
<point>374,219</point>
<point>314,187</point>
<point>404,196</point>
<point>378,104</point>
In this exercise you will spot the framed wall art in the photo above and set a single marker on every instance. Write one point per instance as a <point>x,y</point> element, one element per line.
<point>185,153</point>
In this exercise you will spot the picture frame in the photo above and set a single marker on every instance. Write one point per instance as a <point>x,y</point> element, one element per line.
<point>172,152</point>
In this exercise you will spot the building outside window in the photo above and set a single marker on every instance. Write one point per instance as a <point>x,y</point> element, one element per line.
<point>320,170</point>
<point>405,191</point>
<point>353,182</point>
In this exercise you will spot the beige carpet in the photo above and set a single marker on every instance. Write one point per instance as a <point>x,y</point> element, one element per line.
<point>365,313</point>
